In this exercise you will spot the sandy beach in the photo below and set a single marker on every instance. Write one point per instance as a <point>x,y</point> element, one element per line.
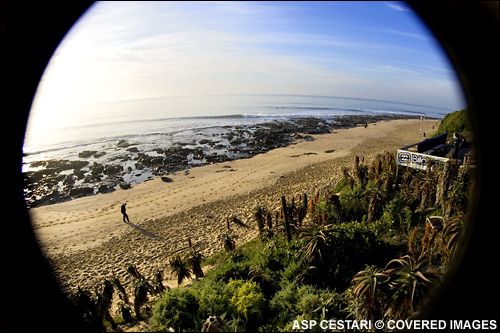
<point>86,238</point>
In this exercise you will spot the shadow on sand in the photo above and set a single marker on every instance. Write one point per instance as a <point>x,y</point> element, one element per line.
<point>144,231</point>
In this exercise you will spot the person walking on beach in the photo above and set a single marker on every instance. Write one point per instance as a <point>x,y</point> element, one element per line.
<point>124,212</point>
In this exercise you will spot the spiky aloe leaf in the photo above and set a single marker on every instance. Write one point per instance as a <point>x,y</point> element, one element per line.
<point>451,233</point>
<point>315,242</point>
<point>408,282</point>
<point>365,282</point>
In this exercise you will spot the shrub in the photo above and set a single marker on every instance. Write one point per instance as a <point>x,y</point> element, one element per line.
<point>398,213</point>
<point>209,293</point>
<point>294,272</point>
<point>457,121</point>
<point>354,204</point>
<point>297,276</point>
<point>306,299</point>
<point>282,305</point>
<point>177,309</point>
<point>246,298</point>
<point>294,301</point>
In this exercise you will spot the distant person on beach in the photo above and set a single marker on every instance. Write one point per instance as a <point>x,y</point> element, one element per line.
<point>124,212</point>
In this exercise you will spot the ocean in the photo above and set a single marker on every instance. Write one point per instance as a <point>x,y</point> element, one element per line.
<point>140,137</point>
<point>82,127</point>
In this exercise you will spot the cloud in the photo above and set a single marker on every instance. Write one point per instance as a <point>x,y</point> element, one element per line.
<point>404,33</point>
<point>397,6</point>
<point>140,50</point>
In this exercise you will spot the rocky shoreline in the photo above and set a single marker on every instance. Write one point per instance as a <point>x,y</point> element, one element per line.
<point>94,171</point>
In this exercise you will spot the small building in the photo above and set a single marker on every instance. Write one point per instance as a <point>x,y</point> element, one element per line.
<point>436,149</point>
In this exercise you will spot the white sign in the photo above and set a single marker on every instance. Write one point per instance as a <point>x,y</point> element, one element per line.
<point>416,160</point>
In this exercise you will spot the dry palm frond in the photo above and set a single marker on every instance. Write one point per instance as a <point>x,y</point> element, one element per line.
<point>269,220</point>
<point>411,242</point>
<point>428,239</point>
<point>449,172</point>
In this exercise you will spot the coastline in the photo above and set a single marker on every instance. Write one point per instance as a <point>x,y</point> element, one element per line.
<point>95,168</point>
<point>85,238</point>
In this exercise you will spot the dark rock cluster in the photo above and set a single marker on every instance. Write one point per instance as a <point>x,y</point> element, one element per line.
<point>59,180</point>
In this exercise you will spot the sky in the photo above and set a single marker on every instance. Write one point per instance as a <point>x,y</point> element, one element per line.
<point>132,50</point>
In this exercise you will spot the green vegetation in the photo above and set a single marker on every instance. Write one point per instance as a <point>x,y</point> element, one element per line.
<point>94,301</point>
<point>458,121</point>
<point>373,247</point>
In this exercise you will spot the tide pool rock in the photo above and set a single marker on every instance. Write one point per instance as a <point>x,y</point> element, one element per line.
<point>125,186</point>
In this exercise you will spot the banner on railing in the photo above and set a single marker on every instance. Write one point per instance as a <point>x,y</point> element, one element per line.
<point>416,160</point>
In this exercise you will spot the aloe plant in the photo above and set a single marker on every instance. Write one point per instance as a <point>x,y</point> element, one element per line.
<point>194,258</point>
<point>458,193</point>
<point>227,242</point>
<point>103,302</point>
<point>85,303</point>
<point>124,311</point>
<point>141,289</point>
<point>360,172</point>
<point>348,177</point>
<point>374,195</point>
<point>132,270</point>
<point>365,287</point>
<point>451,234</point>
<point>158,283</point>
<point>123,293</point>
<point>334,202</point>
<point>446,176</point>
<point>408,281</point>
<point>259,218</point>
<point>426,188</point>
<point>179,268</point>
<point>315,240</point>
